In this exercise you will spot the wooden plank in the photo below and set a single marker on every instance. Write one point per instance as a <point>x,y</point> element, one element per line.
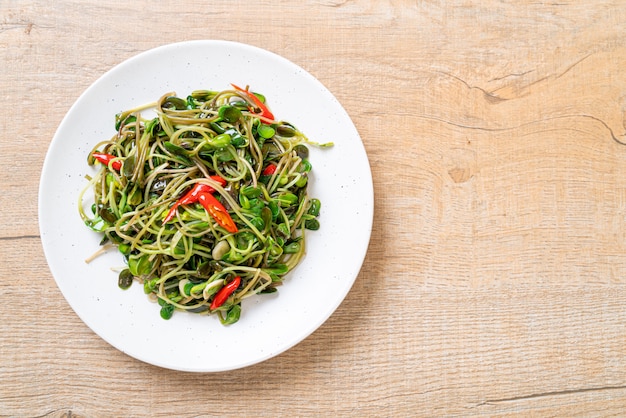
<point>495,280</point>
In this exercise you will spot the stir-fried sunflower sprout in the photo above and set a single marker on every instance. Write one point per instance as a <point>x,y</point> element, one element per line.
<point>207,201</point>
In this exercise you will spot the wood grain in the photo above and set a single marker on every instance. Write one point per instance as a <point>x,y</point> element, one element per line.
<point>494,283</point>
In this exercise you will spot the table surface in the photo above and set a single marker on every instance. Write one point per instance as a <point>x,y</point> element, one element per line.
<point>494,283</point>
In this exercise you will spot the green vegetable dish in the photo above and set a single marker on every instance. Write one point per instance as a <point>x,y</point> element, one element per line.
<point>207,201</point>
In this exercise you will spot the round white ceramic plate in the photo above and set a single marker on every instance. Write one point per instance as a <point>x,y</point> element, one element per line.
<point>269,324</point>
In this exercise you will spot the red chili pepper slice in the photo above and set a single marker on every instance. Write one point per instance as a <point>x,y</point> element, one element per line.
<point>106,159</point>
<point>224,293</point>
<point>192,196</point>
<point>265,112</point>
<point>269,170</point>
<point>217,211</point>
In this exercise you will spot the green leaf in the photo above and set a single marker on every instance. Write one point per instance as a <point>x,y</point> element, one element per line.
<point>302,181</point>
<point>97,224</point>
<point>286,131</point>
<point>217,127</point>
<point>153,127</point>
<point>128,167</point>
<point>287,199</point>
<point>251,191</point>
<point>191,102</point>
<point>150,285</point>
<point>266,131</point>
<point>258,222</point>
<point>187,288</point>
<point>167,311</point>
<point>283,230</point>
<point>301,151</point>
<point>305,166</point>
<point>229,114</point>
<point>220,141</point>
<point>175,149</point>
<point>273,205</point>
<point>292,248</point>
<point>314,207</point>
<point>236,139</point>
<point>123,119</point>
<point>135,197</point>
<point>125,279</point>
<point>173,102</point>
<point>278,269</point>
<point>140,266</point>
<point>232,315</point>
<point>312,224</point>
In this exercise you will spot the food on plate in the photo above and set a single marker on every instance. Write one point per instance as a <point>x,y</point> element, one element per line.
<point>206,199</point>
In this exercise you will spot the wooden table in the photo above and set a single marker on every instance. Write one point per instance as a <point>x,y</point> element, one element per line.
<point>495,278</point>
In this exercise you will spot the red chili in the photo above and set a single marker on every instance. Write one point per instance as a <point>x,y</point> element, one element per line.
<point>106,159</point>
<point>265,112</point>
<point>224,293</point>
<point>217,211</point>
<point>192,196</point>
<point>269,170</point>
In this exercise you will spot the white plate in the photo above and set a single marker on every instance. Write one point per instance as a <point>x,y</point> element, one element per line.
<point>269,324</point>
